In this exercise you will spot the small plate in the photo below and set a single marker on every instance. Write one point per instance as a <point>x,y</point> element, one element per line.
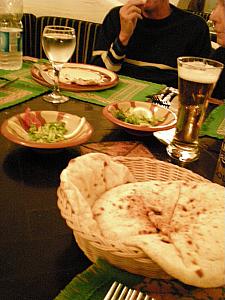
<point>77,77</point>
<point>71,121</point>
<point>169,121</point>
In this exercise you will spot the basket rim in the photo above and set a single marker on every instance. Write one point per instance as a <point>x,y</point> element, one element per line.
<point>160,162</point>
<point>111,245</point>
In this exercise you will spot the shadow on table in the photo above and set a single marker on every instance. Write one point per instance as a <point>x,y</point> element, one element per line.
<point>71,263</point>
<point>36,167</point>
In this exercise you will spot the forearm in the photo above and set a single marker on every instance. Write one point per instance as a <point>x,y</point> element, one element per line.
<point>118,27</point>
<point>111,58</point>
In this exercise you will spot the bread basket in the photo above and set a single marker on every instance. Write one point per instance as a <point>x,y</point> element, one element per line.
<point>131,259</point>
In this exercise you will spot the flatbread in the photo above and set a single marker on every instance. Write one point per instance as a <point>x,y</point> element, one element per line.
<point>195,253</point>
<point>121,212</point>
<point>80,76</point>
<point>198,230</point>
<point>93,174</point>
<point>178,225</point>
<point>135,208</point>
<point>85,179</point>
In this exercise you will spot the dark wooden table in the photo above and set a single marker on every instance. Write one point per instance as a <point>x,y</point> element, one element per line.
<point>38,254</point>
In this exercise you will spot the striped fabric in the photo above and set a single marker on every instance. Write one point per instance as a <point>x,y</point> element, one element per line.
<point>86,33</point>
<point>29,32</point>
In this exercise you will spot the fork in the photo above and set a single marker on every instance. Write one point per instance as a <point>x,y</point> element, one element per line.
<point>118,291</point>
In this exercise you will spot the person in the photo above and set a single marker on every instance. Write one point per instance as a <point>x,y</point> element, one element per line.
<point>142,39</point>
<point>218,18</point>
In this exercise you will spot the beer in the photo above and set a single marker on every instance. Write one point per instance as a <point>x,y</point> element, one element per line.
<point>196,80</point>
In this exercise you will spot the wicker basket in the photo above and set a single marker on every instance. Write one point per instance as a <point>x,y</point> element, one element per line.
<point>130,259</point>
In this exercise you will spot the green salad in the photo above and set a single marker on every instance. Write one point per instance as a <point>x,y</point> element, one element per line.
<point>48,133</point>
<point>143,117</point>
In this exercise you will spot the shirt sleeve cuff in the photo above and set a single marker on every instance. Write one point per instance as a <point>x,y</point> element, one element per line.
<point>119,48</point>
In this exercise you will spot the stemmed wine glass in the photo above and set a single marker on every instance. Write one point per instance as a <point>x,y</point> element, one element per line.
<point>58,43</point>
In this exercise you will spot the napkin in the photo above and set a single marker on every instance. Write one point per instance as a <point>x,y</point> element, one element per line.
<point>214,124</point>
<point>95,281</point>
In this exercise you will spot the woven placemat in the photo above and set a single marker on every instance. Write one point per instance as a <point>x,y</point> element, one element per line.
<point>127,89</point>
<point>94,283</point>
<point>23,89</point>
<point>122,148</point>
<point>214,124</point>
<point>26,88</point>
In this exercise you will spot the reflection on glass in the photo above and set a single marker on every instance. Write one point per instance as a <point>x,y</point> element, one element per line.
<point>196,80</point>
<point>58,43</point>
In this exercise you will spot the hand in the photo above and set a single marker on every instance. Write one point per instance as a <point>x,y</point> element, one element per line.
<point>129,14</point>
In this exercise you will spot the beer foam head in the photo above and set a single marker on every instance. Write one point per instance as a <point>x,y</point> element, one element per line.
<point>199,72</point>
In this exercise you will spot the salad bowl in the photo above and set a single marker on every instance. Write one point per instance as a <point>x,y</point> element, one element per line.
<point>71,130</point>
<point>140,118</point>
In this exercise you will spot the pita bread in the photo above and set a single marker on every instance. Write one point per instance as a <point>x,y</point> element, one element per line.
<point>85,179</point>
<point>121,212</point>
<point>94,174</point>
<point>196,253</point>
<point>178,225</point>
<point>80,76</point>
<point>135,208</point>
<point>204,268</point>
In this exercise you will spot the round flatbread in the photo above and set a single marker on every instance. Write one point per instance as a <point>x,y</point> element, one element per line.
<point>80,76</point>
<point>126,210</point>
<point>178,225</point>
<point>85,179</point>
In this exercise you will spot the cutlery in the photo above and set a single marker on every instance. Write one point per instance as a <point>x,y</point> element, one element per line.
<point>8,81</point>
<point>120,292</point>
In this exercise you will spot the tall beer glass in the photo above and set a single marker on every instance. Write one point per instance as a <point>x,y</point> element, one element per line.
<point>196,80</point>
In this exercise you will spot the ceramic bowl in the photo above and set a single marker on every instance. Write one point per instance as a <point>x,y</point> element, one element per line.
<point>78,129</point>
<point>167,118</point>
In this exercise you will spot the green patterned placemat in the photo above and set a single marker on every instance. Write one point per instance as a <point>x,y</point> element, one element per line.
<point>26,88</point>
<point>94,283</point>
<point>214,124</point>
<point>23,89</point>
<point>127,89</point>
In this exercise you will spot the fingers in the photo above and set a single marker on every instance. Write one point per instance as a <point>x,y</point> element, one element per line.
<point>132,10</point>
<point>129,14</point>
<point>136,2</point>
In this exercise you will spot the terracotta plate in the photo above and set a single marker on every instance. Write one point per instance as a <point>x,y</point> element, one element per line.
<point>91,78</point>
<point>71,121</point>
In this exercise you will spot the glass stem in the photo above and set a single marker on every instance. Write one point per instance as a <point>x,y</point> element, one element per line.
<point>56,70</point>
